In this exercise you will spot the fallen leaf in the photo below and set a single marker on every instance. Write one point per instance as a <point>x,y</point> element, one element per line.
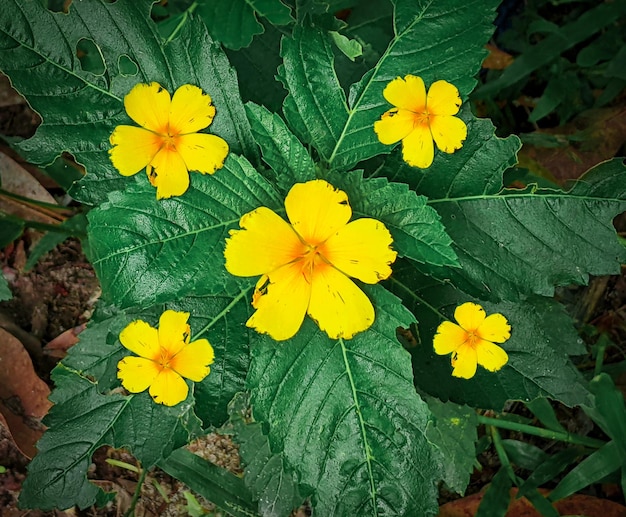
<point>23,395</point>
<point>59,346</point>
<point>497,59</point>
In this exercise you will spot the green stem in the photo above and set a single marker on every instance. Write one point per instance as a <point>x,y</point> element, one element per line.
<point>35,202</point>
<point>541,432</point>
<point>133,503</point>
<point>603,342</point>
<point>502,455</point>
<point>416,298</point>
<point>182,22</point>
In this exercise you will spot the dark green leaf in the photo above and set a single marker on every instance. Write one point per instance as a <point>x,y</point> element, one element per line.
<point>550,469</point>
<point>454,432</point>
<point>434,40</point>
<point>316,106</point>
<point>524,455</point>
<point>5,291</point>
<point>609,411</point>
<point>281,150</point>
<point>496,500</point>
<point>538,365</point>
<point>11,228</point>
<point>347,418</point>
<point>265,474</point>
<point>542,409</point>
<point>415,227</point>
<point>147,251</point>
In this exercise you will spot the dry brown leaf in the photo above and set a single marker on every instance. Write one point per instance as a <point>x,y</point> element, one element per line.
<point>59,346</point>
<point>574,505</point>
<point>23,395</point>
<point>497,59</point>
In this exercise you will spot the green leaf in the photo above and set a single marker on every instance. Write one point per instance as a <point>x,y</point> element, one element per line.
<point>315,108</point>
<point>433,40</point>
<point>147,251</point>
<point>550,469</point>
<point>416,229</point>
<point>11,228</point>
<point>80,109</point>
<point>347,418</point>
<point>234,22</point>
<point>221,487</point>
<point>496,499</point>
<point>82,420</point>
<point>592,469</point>
<point>538,362</point>
<point>609,411</point>
<point>5,291</point>
<point>528,241</point>
<point>524,455</point>
<point>454,432</point>
<point>265,474</point>
<point>351,48</point>
<point>280,148</point>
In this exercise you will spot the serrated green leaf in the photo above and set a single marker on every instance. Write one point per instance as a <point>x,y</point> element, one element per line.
<point>234,22</point>
<point>529,241</point>
<point>280,148</point>
<point>347,418</point>
<point>147,251</point>
<point>454,431</point>
<point>434,40</point>
<point>316,106</point>
<point>80,109</point>
<point>416,229</point>
<point>265,474</point>
<point>5,291</point>
<point>475,170</point>
<point>82,420</point>
<point>537,366</point>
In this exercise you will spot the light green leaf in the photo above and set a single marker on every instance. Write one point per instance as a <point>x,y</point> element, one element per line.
<point>454,431</point>
<point>147,251</point>
<point>82,420</point>
<point>351,48</point>
<point>5,291</point>
<point>347,418</point>
<point>234,22</point>
<point>538,362</point>
<point>416,229</point>
<point>434,40</point>
<point>265,473</point>
<point>316,107</point>
<point>80,109</point>
<point>528,241</point>
<point>280,148</point>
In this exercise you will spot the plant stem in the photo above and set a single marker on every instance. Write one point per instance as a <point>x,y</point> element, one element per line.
<point>543,433</point>
<point>133,503</point>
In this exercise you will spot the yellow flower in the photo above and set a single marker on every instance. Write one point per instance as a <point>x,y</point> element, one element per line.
<point>418,119</point>
<point>167,144</point>
<point>165,357</point>
<point>471,342</point>
<point>306,265</point>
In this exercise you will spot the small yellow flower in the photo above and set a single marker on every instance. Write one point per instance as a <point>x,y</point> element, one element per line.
<point>167,144</point>
<point>418,119</point>
<point>306,265</point>
<point>165,357</point>
<point>471,342</point>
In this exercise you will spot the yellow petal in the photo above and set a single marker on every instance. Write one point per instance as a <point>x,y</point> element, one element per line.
<point>408,93</point>
<point>361,249</point>
<point>281,310</point>
<point>173,331</point>
<point>495,328</point>
<point>201,152</point>
<point>191,110</point>
<point>417,148</point>
<point>464,362</point>
<point>168,173</point>
<point>137,373</point>
<point>490,356</point>
<point>134,149</point>
<point>265,243</point>
<point>142,339</point>
<point>149,106</point>
<point>193,360</point>
<point>394,125</point>
<point>338,306</point>
<point>469,315</point>
<point>443,99</point>
<point>448,132</point>
<point>449,337</point>
<point>317,210</point>
<point>168,388</point>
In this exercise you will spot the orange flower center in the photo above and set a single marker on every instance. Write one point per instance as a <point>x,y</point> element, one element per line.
<point>472,338</point>
<point>421,117</point>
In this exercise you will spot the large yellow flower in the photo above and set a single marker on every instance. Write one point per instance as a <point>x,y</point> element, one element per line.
<point>167,144</point>
<point>471,342</point>
<point>418,119</point>
<point>165,357</point>
<point>306,265</point>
